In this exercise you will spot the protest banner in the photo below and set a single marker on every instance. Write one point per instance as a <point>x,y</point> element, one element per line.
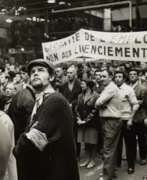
<point>128,46</point>
<point>62,50</point>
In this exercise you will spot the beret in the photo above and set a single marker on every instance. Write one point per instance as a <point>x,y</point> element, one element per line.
<point>41,62</point>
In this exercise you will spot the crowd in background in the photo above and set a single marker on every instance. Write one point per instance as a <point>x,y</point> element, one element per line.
<point>82,85</point>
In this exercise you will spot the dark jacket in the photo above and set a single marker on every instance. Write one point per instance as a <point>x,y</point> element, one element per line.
<point>140,91</point>
<point>58,160</point>
<point>144,105</point>
<point>86,109</point>
<point>72,96</point>
<point>20,110</point>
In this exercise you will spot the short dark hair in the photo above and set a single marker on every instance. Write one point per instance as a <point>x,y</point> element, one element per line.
<point>120,72</point>
<point>110,73</point>
<point>134,69</point>
<point>89,83</point>
<point>23,69</point>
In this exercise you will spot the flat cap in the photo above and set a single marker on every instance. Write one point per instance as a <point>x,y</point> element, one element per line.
<point>41,62</point>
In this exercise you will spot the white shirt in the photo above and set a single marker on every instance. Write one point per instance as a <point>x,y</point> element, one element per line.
<point>128,100</point>
<point>108,102</point>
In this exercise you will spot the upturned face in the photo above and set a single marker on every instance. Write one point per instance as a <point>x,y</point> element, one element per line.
<point>39,77</point>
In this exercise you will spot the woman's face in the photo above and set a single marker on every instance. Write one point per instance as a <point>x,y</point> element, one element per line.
<point>10,90</point>
<point>17,78</point>
<point>83,85</point>
<point>3,79</point>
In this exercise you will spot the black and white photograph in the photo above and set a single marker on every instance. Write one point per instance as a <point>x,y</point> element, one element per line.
<point>73,89</point>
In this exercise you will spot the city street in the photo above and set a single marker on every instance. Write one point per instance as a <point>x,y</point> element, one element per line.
<point>93,174</point>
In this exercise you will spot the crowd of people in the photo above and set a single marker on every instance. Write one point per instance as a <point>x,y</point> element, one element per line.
<point>51,112</point>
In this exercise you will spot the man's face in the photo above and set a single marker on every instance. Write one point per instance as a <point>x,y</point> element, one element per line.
<point>98,76</point>
<point>71,74</point>
<point>119,79</point>
<point>39,77</point>
<point>105,78</point>
<point>133,77</point>
<point>59,72</point>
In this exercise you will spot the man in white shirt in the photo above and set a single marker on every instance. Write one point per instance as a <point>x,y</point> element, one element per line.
<point>129,106</point>
<point>108,104</point>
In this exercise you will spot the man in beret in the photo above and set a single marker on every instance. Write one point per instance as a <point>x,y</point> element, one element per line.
<point>46,149</point>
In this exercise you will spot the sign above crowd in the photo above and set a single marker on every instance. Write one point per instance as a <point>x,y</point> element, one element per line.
<point>125,46</point>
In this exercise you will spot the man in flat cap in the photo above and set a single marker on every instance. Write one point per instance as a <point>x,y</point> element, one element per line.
<point>46,149</point>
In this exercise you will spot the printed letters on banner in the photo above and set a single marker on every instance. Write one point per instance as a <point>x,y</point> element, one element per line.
<point>128,46</point>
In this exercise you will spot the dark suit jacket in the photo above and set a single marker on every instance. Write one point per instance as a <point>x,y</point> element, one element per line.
<point>140,91</point>
<point>72,96</point>
<point>86,109</point>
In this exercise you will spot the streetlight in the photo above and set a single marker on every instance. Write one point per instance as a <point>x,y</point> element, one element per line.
<point>9,20</point>
<point>51,1</point>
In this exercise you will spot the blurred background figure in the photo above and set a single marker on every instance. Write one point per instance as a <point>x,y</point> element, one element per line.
<point>8,169</point>
<point>138,120</point>
<point>4,79</point>
<point>60,79</point>
<point>71,90</point>
<point>24,76</point>
<point>17,80</point>
<point>10,91</point>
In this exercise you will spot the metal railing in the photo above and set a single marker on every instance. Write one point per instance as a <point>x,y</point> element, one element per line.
<point>98,6</point>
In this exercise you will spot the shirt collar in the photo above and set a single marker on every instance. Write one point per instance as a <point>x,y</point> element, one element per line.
<point>123,84</point>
